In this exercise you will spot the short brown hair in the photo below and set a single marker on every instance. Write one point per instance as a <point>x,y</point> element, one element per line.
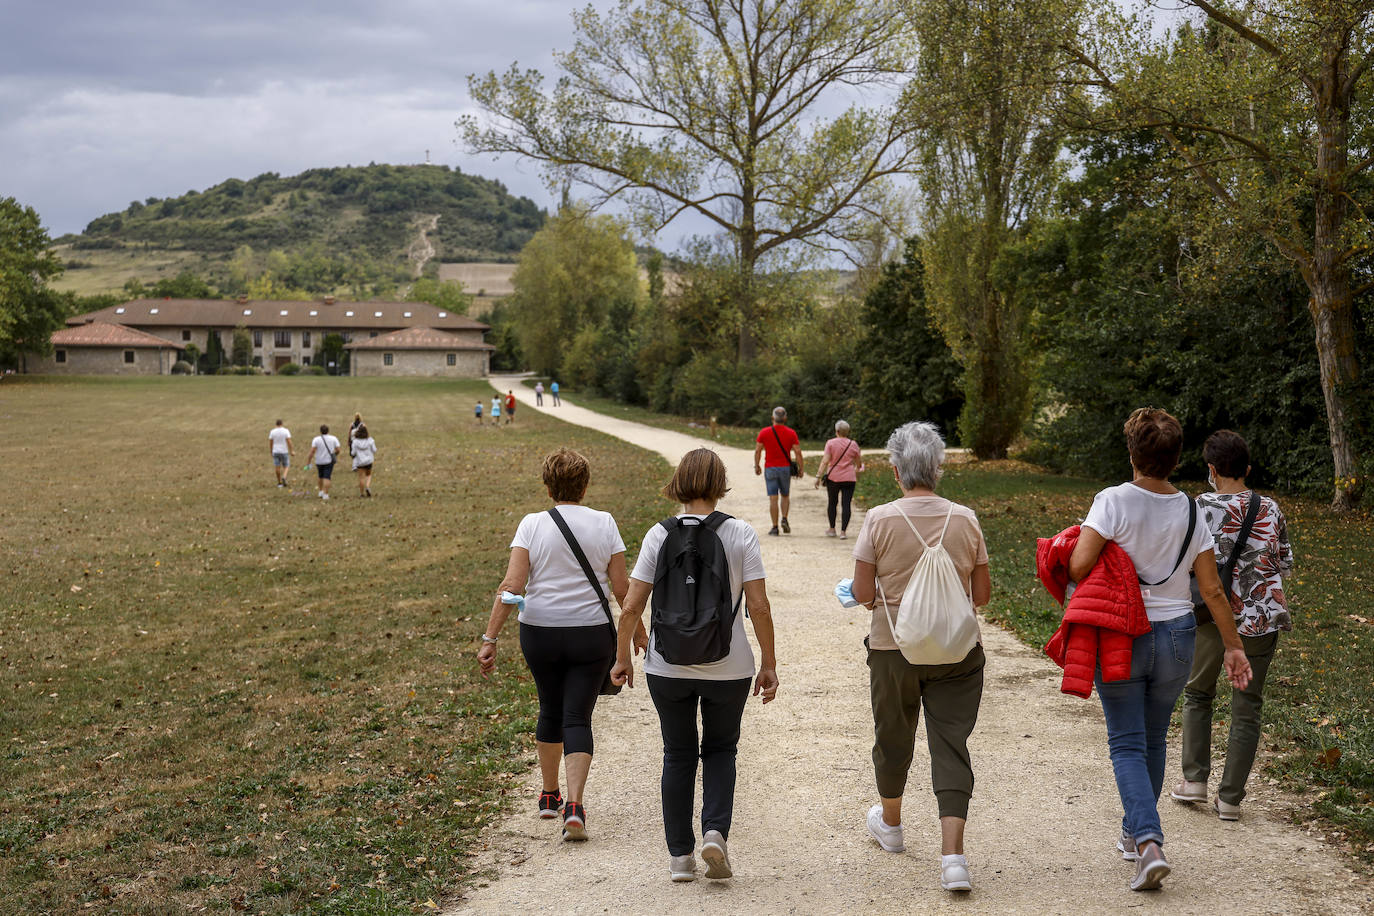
<point>699,475</point>
<point>566,474</point>
<point>1226,451</point>
<point>1155,440</point>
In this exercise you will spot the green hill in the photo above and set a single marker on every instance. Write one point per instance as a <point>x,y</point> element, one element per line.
<point>388,218</point>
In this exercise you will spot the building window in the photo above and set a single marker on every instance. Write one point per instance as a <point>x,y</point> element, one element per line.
<point>257,338</point>
<point>185,335</point>
<point>386,359</point>
<point>281,338</point>
<point>371,333</point>
<point>60,356</point>
<point>305,339</point>
<point>347,336</point>
<point>257,361</point>
<point>128,356</point>
<point>305,360</point>
<point>453,359</point>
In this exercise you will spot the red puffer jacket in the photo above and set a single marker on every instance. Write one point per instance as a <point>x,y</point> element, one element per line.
<point>1104,616</point>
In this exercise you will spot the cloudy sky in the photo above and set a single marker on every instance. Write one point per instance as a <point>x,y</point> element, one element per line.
<point>107,101</point>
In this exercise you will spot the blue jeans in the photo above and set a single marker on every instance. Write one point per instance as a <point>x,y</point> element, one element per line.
<point>1138,711</point>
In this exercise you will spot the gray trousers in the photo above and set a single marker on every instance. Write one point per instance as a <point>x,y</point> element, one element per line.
<point>951,695</point>
<point>1198,697</point>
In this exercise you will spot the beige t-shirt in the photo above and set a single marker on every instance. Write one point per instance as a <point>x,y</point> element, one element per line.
<point>886,541</point>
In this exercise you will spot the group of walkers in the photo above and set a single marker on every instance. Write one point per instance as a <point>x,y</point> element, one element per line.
<point>324,454</point>
<point>498,402</point>
<point>779,448</point>
<point>1133,629</point>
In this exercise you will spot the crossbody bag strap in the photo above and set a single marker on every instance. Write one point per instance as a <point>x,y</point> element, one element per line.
<point>785,456</point>
<point>1183,550</point>
<point>1228,569</point>
<point>586,567</point>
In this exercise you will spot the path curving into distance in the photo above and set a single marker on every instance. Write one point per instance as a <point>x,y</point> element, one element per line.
<point>1042,825</point>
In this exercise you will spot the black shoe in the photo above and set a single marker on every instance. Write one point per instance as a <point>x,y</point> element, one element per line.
<point>786,528</point>
<point>574,822</point>
<point>773,531</point>
<point>549,803</point>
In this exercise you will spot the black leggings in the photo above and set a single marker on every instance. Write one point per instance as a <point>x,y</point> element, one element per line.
<point>569,665</point>
<point>722,708</point>
<point>844,492</point>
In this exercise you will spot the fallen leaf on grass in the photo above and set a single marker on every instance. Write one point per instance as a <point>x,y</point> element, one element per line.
<point>1329,757</point>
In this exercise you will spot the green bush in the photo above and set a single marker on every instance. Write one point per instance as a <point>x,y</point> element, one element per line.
<point>239,370</point>
<point>289,369</point>
<point>181,367</point>
<point>314,370</point>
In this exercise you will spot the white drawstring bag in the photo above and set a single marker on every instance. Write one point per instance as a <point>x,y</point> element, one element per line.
<point>935,624</point>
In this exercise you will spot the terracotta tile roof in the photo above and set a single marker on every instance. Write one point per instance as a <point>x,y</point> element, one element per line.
<point>262,313</point>
<point>106,334</point>
<point>419,339</point>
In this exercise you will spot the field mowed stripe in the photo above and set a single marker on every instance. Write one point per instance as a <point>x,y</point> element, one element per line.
<point>220,693</point>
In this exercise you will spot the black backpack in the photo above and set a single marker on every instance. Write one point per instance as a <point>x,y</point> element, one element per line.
<point>693,615</point>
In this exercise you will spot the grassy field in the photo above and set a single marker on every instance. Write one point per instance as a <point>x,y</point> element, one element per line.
<point>1319,709</point>
<point>222,694</point>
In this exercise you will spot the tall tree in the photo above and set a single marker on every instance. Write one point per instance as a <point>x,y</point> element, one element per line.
<point>29,311</point>
<point>1267,105</point>
<point>991,160</point>
<point>757,115</point>
<point>568,276</point>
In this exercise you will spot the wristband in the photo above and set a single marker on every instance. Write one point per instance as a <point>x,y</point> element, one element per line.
<point>489,640</point>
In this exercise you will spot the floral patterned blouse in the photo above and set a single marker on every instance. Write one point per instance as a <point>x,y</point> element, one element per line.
<point>1257,590</point>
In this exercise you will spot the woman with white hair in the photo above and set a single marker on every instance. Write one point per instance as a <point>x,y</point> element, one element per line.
<point>840,472</point>
<point>891,541</point>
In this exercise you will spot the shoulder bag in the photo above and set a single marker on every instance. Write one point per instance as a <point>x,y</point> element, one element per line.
<point>1227,570</point>
<point>825,478</point>
<point>791,465</point>
<point>608,689</point>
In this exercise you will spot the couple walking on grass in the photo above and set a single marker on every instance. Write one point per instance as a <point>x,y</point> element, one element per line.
<point>324,452</point>
<point>1132,533</point>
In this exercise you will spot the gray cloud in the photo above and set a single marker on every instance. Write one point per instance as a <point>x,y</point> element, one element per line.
<point>102,103</point>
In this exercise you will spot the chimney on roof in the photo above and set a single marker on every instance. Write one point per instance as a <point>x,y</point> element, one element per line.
<point>328,300</point>
<point>243,300</point>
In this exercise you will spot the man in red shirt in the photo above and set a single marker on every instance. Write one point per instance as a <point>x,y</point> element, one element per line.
<point>779,442</point>
<point>510,407</point>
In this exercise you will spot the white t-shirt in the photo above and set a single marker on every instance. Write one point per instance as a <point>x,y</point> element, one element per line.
<point>364,451</point>
<point>746,564</point>
<point>1150,528</point>
<point>325,446</point>
<point>279,436</point>
<point>558,593</point>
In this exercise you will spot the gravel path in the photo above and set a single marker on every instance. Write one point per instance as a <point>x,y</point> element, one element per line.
<point>1044,815</point>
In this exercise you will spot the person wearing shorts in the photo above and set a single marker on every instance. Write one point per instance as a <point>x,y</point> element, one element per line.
<point>364,453</point>
<point>776,444</point>
<point>510,407</point>
<point>326,450</point>
<point>279,441</point>
<point>477,412</point>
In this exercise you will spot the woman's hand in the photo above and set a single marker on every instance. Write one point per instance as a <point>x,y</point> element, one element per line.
<point>641,639</point>
<point>1237,668</point>
<point>486,658</point>
<point>767,684</point>
<point>817,484</point>
<point>623,674</point>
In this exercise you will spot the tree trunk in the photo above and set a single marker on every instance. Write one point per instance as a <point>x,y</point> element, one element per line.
<point>1332,303</point>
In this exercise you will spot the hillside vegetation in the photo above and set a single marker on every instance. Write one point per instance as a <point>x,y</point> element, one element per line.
<point>370,218</point>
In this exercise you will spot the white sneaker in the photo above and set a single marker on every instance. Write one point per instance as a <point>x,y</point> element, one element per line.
<point>682,868</point>
<point>1225,810</point>
<point>1189,792</point>
<point>713,853</point>
<point>324,496</point>
<point>954,873</point>
<point>890,838</point>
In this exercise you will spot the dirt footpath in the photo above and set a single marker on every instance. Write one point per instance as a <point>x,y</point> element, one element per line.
<point>1043,822</point>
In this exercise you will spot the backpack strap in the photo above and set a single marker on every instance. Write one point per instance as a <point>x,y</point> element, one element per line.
<point>586,566</point>
<point>906,518</point>
<point>1182,550</point>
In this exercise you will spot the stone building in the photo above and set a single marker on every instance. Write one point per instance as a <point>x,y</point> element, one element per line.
<point>283,331</point>
<point>422,351</point>
<point>103,348</point>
